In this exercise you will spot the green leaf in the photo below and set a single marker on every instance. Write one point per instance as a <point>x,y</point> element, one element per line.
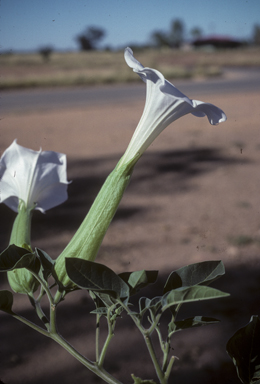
<point>194,274</point>
<point>190,294</point>
<point>96,277</point>
<point>179,296</point>
<point>30,262</point>
<point>138,279</point>
<point>106,299</point>
<point>152,304</point>
<point>192,322</point>
<point>102,301</point>
<point>15,257</point>
<point>244,350</point>
<point>105,302</point>
<point>102,311</point>
<point>46,262</point>
<point>10,256</point>
<point>6,301</point>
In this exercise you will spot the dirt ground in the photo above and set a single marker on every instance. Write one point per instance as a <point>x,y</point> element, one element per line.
<point>194,196</point>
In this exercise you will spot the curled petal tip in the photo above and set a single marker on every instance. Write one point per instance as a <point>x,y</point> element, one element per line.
<point>131,60</point>
<point>214,114</point>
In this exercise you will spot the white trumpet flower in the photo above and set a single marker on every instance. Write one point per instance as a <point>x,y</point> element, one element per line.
<point>37,178</point>
<point>164,104</point>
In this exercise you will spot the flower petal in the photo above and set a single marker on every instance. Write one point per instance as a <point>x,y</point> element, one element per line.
<point>131,60</point>
<point>50,181</point>
<point>164,104</point>
<point>16,165</point>
<point>35,177</point>
<point>214,114</point>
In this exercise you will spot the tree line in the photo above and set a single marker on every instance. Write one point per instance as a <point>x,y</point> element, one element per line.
<point>91,38</point>
<point>173,38</point>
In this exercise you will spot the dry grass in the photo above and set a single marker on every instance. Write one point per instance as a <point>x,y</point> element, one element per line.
<point>81,68</point>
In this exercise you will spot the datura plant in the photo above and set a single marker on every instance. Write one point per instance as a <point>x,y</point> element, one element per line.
<point>31,180</point>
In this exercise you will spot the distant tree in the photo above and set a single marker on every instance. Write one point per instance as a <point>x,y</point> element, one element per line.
<point>89,39</point>
<point>196,33</point>
<point>46,52</point>
<point>160,39</point>
<point>256,34</point>
<point>176,36</point>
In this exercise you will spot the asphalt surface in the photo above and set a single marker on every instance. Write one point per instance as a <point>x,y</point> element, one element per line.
<point>233,81</point>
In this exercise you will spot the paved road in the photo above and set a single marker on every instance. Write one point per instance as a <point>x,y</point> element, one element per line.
<point>234,81</point>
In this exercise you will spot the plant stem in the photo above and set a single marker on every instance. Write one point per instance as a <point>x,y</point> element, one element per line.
<point>150,348</point>
<point>169,368</point>
<point>165,346</point>
<point>108,339</point>
<point>155,321</point>
<point>147,339</point>
<point>97,336</point>
<point>44,286</point>
<point>58,297</point>
<point>31,325</point>
<point>41,314</point>
<point>165,354</point>
<point>133,317</point>
<point>104,349</point>
<point>94,367</point>
<point>100,372</point>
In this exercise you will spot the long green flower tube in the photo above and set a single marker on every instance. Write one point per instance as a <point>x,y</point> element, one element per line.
<point>88,238</point>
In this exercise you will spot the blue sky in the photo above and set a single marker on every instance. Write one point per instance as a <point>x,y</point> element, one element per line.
<point>30,24</point>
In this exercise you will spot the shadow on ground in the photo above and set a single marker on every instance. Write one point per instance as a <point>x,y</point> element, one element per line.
<point>29,357</point>
<point>201,351</point>
<point>157,174</point>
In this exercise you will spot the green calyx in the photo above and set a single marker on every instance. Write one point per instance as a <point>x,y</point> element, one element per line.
<point>88,238</point>
<point>21,231</point>
<point>21,280</point>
